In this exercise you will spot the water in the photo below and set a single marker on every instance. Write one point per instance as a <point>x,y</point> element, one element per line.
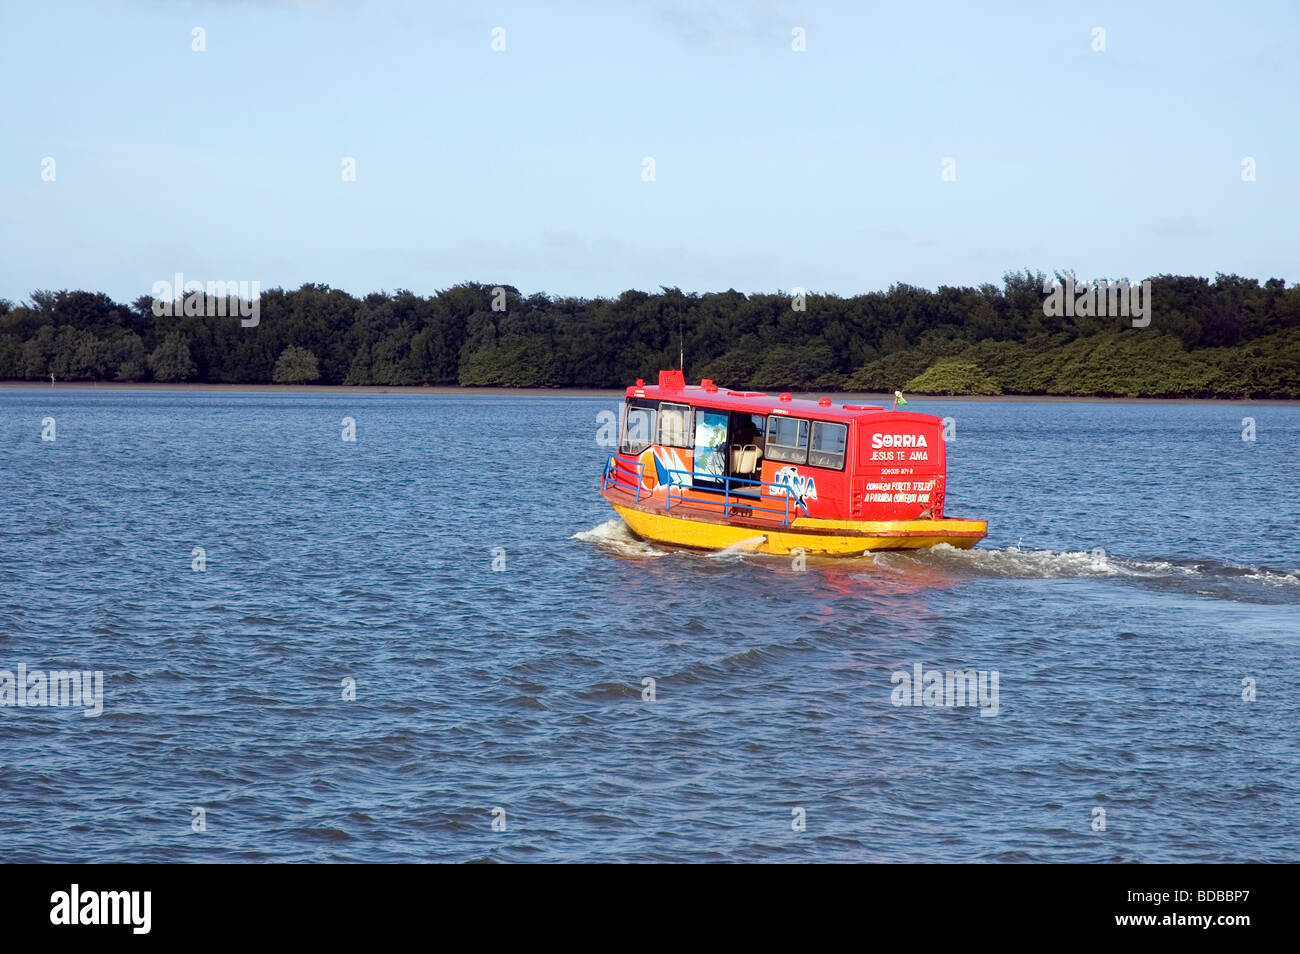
<point>1142,561</point>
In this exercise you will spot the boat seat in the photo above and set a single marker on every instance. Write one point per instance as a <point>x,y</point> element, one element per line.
<point>744,460</point>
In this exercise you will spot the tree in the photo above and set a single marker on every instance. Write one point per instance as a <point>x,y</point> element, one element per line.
<point>1232,337</point>
<point>91,358</point>
<point>953,376</point>
<point>171,360</point>
<point>296,366</point>
<point>129,358</point>
<point>11,357</point>
<point>37,351</point>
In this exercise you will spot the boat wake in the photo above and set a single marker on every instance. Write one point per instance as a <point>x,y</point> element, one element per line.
<point>614,535</point>
<point>1200,577</point>
<point>748,545</point>
<point>1010,562</point>
<point>946,564</point>
<point>1048,564</point>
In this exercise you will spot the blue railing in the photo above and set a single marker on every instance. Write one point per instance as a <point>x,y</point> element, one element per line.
<point>627,476</point>
<point>623,475</point>
<point>680,481</point>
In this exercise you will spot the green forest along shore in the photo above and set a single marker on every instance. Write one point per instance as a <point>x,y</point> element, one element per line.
<point>1231,337</point>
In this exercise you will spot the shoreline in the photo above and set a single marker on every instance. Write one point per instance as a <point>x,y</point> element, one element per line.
<point>454,390</point>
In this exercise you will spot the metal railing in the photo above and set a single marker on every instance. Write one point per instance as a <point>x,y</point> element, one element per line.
<point>722,493</point>
<point>623,475</point>
<point>687,491</point>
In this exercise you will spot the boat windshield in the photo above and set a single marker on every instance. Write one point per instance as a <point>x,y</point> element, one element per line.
<point>638,427</point>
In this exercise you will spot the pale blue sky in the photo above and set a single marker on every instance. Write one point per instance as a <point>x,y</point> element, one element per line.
<point>775,169</point>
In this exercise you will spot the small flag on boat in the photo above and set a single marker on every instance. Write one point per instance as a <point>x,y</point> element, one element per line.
<point>898,399</point>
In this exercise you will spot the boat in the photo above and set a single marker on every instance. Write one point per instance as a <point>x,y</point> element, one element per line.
<point>710,468</point>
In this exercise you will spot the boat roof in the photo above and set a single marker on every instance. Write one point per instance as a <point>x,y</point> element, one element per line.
<point>672,387</point>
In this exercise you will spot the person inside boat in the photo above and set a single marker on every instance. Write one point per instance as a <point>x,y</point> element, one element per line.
<point>748,433</point>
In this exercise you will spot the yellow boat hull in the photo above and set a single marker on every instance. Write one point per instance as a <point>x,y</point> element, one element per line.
<point>825,537</point>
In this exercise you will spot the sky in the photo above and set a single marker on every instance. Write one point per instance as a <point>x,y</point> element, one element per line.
<point>929,143</point>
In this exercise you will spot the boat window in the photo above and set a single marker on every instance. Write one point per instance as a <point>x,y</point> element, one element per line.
<point>638,426</point>
<point>828,445</point>
<point>675,428</point>
<point>787,439</point>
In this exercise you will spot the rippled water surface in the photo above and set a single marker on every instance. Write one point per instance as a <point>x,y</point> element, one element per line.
<point>1142,562</point>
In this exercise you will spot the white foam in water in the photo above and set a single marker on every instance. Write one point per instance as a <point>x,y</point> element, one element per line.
<point>748,545</point>
<point>1267,577</point>
<point>1274,579</point>
<point>1032,564</point>
<point>1012,562</point>
<point>1051,564</point>
<point>615,535</point>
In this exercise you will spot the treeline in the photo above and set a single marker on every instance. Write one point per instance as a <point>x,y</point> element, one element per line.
<point>1231,337</point>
